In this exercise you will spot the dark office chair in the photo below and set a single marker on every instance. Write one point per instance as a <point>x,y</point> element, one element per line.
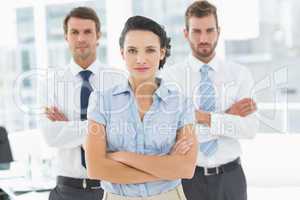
<point>5,150</point>
<point>5,157</point>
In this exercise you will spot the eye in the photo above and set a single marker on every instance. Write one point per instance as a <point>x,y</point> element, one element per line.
<point>87,31</point>
<point>132,51</point>
<point>150,50</point>
<point>211,30</point>
<point>74,32</point>
<point>197,31</point>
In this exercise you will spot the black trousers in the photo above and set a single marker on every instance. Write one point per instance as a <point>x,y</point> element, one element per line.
<point>62,192</point>
<point>229,185</point>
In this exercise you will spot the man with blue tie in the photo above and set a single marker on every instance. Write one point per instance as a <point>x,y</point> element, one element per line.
<point>66,96</point>
<point>221,91</point>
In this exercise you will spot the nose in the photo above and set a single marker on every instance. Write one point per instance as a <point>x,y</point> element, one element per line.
<point>203,38</point>
<point>141,58</point>
<point>80,37</point>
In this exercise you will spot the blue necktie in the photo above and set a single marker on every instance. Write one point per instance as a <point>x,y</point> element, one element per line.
<point>207,104</point>
<point>85,93</point>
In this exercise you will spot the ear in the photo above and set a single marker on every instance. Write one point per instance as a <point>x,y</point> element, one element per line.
<point>122,53</point>
<point>162,53</point>
<point>66,37</point>
<point>185,33</point>
<point>99,35</point>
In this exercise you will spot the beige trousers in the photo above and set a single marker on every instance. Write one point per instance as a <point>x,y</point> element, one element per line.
<point>175,194</point>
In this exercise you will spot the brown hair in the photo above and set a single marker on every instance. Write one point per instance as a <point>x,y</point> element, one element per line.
<point>147,24</point>
<point>82,13</point>
<point>200,9</point>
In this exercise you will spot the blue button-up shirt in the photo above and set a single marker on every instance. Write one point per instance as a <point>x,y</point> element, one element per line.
<point>117,109</point>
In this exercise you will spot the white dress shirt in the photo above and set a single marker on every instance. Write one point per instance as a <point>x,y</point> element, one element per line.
<point>62,89</point>
<point>232,83</point>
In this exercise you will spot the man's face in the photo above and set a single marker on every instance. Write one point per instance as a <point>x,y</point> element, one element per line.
<point>82,38</point>
<point>202,35</point>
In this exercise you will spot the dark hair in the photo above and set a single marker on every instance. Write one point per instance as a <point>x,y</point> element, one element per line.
<point>200,9</point>
<point>144,23</point>
<point>82,13</point>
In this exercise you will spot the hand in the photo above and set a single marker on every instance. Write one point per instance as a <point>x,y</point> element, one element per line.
<point>181,147</point>
<point>243,107</point>
<point>54,114</point>
<point>203,117</point>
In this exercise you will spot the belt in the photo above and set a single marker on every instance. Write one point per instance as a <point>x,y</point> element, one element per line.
<point>219,170</point>
<point>78,183</point>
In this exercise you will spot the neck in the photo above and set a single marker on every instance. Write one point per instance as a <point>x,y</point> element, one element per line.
<point>84,63</point>
<point>143,87</point>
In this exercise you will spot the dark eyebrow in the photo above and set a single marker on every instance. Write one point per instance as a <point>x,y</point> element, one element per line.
<point>131,47</point>
<point>211,29</point>
<point>151,46</point>
<point>72,29</point>
<point>195,29</point>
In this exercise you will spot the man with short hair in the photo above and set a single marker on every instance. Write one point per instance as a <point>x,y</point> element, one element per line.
<point>221,91</point>
<point>66,96</point>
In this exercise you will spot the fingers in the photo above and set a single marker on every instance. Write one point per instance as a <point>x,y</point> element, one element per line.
<point>184,150</point>
<point>54,114</point>
<point>49,114</point>
<point>174,148</point>
<point>245,100</point>
<point>248,108</point>
<point>246,112</point>
<point>244,107</point>
<point>60,116</point>
<point>182,146</point>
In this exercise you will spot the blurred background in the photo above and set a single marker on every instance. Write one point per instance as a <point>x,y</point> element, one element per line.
<point>261,34</point>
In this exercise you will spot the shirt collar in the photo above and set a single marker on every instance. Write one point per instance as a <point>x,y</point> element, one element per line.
<point>124,87</point>
<point>75,68</point>
<point>196,64</point>
<point>161,92</point>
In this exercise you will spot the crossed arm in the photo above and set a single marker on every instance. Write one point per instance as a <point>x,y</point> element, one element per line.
<point>238,115</point>
<point>61,132</point>
<point>127,167</point>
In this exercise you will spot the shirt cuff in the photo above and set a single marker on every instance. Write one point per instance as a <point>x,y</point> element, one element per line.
<point>97,117</point>
<point>222,125</point>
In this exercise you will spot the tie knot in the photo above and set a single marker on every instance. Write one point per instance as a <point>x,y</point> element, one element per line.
<point>205,68</point>
<point>85,75</point>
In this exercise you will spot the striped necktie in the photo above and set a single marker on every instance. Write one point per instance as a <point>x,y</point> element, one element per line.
<point>208,104</point>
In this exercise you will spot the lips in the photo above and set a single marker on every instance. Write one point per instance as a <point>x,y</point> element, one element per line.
<point>141,69</point>
<point>204,46</point>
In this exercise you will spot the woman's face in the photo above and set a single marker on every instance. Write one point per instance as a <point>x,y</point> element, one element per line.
<point>142,54</point>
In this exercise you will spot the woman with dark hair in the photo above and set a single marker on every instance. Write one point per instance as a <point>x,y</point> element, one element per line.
<point>141,140</point>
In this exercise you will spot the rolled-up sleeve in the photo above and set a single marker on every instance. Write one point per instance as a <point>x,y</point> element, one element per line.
<point>187,115</point>
<point>96,108</point>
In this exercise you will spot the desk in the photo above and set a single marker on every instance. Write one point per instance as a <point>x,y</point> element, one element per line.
<point>19,187</point>
<point>24,189</point>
